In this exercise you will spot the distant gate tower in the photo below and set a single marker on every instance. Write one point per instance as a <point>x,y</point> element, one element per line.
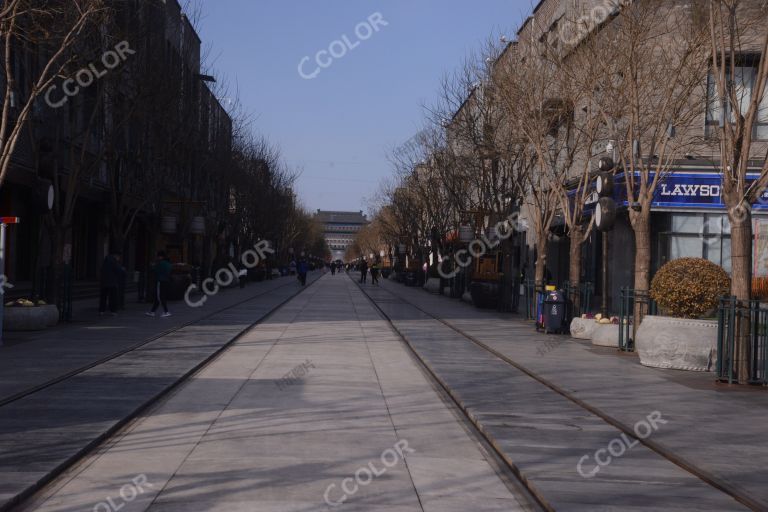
<point>340,229</point>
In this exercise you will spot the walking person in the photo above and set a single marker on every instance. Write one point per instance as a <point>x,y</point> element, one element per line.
<point>363,271</point>
<point>333,268</point>
<point>162,270</point>
<point>302,269</point>
<point>375,268</point>
<point>112,273</point>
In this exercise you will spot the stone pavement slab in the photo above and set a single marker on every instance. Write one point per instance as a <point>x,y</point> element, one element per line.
<point>31,359</point>
<point>546,435</point>
<point>45,431</point>
<point>237,437</point>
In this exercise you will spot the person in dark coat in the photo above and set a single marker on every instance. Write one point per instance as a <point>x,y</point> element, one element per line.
<point>112,273</point>
<point>363,271</point>
<point>162,270</point>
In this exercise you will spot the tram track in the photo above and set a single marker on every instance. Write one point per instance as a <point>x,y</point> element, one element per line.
<point>84,451</point>
<point>697,472</point>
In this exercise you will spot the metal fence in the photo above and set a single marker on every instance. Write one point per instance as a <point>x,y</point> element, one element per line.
<point>530,299</point>
<point>585,293</point>
<point>631,317</point>
<point>734,320</point>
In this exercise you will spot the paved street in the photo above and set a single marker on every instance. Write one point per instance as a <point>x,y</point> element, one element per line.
<point>31,359</point>
<point>545,434</point>
<point>323,404</point>
<point>357,421</point>
<point>43,431</point>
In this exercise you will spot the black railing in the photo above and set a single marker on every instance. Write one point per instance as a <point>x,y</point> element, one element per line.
<point>530,299</point>
<point>633,306</point>
<point>737,319</point>
<point>585,291</point>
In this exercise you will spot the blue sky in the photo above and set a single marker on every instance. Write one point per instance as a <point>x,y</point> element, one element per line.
<point>339,126</point>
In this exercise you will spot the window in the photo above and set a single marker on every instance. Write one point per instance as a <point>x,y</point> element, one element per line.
<point>744,83</point>
<point>698,236</point>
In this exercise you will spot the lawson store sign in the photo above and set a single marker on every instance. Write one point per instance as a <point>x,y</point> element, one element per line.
<point>692,190</point>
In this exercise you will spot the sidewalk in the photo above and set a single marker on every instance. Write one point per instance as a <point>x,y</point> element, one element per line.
<point>29,359</point>
<point>42,433</point>
<point>719,430</point>
<point>360,423</point>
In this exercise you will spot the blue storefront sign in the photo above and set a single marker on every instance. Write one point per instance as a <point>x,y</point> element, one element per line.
<point>697,190</point>
<point>683,190</point>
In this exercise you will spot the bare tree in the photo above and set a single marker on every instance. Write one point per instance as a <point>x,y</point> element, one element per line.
<point>38,38</point>
<point>738,104</point>
<point>651,59</point>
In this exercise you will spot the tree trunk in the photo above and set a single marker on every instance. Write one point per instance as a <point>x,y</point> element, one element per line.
<point>641,224</point>
<point>642,227</point>
<point>541,262</point>
<point>574,265</point>
<point>60,236</point>
<point>741,284</point>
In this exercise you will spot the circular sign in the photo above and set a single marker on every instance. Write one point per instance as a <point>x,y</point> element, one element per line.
<point>605,214</point>
<point>604,184</point>
<point>45,195</point>
<point>51,197</point>
<point>605,164</point>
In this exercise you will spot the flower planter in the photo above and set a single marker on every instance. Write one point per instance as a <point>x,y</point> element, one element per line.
<point>582,328</point>
<point>34,318</point>
<point>677,343</point>
<point>605,335</point>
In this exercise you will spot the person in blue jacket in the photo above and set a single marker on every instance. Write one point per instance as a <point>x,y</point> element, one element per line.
<point>302,268</point>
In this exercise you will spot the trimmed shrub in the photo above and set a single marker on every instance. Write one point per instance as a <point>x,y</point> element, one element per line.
<point>689,287</point>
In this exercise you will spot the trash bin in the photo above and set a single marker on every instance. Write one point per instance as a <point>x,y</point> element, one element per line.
<point>554,311</point>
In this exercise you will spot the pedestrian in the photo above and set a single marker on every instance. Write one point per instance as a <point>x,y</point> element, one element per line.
<point>112,273</point>
<point>292,268</point>
<point>162,270</point>
<point>242,274</point>
<point>333,268</point>
<point>363,271</point>
<point>375,273</point>
<point>302,269</point>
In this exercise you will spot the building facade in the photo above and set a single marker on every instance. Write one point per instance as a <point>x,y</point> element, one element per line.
<point>137,161</point>
<point>340,229</point>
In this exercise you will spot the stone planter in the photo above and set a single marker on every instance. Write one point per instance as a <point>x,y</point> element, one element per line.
<point>677,343</point>
<point>582,328</point>
<point>432,285</point>
<point>605,335</point>
<point>35,318</point>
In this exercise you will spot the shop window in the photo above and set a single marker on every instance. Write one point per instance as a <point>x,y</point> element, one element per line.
<point>698,236</point>
<point>744,83</point>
